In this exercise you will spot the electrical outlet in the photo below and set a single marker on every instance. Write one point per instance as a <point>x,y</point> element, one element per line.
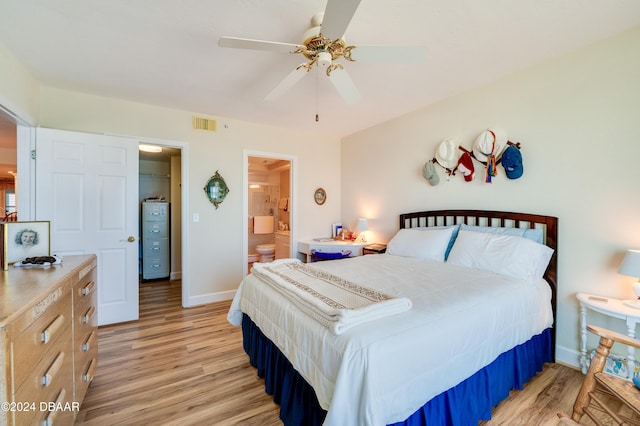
<point>196,217</point>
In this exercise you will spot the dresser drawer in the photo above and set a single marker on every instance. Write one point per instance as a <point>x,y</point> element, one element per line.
<point>86,289</point>
<point>86,363</point>
<point>53,373</point>
<point>29,347</point>
<point>85,311</point>
<point>63,410</point>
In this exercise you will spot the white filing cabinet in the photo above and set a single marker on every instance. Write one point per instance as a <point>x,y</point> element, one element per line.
<point>156,251</point>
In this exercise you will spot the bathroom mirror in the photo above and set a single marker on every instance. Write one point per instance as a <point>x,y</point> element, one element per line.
<point>216,189</point>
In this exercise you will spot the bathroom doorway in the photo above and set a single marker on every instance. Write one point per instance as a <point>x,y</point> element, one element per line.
<point>269,207</point>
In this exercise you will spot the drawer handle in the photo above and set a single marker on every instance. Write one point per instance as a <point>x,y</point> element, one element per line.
<point>87,343</point>
<point>86,290</point>
<point>87,315</point>
<point>88,375</point>
<point>45,336</point>
<point>53,414</point>
<point>53,370</point>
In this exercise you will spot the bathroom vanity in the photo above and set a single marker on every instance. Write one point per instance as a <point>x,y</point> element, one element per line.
<point>283,244</point>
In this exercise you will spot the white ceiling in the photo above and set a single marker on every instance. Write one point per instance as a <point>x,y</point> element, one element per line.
<point>165,52</point>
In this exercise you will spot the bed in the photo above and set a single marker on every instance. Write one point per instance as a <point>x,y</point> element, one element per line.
<point>469,336</point>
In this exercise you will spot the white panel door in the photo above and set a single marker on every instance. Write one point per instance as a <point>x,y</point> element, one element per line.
<point>87,186</point>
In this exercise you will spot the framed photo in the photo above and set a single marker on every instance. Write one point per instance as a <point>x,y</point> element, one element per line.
<point>336,228</point>
<point>24,239</point>
<point>320,196</point>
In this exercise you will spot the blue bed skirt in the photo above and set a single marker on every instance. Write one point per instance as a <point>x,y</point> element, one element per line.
<point>464,404</point>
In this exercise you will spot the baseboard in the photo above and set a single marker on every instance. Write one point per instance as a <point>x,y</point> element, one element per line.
<point>567,356</point>
<point>175,276</point>
<point>204,299</point>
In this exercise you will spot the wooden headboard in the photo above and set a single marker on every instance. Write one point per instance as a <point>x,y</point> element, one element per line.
<point>548,225</point>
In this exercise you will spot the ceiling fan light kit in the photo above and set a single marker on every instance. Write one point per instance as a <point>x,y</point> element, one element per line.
<point>324,59</point>
<point>323,45</point>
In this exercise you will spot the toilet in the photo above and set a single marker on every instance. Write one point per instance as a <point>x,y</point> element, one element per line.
<point>266,252</point>
<point>263,225</point>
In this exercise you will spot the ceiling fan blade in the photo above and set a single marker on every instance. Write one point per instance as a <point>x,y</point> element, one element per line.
<point>337,16</point>
<point>288,82</point>
<point>390,54</point>
<point>247,43</point>
<point>343,83</point>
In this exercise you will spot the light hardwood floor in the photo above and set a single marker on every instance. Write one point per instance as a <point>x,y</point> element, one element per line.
<point>179,366</point>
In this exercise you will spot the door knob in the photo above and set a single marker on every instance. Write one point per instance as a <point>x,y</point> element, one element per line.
<point>131,238</point>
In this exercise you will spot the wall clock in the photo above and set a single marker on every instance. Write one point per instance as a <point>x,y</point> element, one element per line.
<point>320,196</point>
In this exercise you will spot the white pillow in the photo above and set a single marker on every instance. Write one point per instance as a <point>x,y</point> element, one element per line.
<point>503,254</point>
<point>534,234</point>
<point>423,244</point>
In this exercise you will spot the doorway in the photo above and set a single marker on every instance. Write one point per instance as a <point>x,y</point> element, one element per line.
<point>177,166</point>
<point>269,207</point>
<point>160,193</point>
<point>8,167</point>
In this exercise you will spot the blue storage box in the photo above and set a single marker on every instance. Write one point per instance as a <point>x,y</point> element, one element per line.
<point>321,255</point>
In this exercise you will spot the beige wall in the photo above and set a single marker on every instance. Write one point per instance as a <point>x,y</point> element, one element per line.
<point>18,89</point>
<point>577,119</point>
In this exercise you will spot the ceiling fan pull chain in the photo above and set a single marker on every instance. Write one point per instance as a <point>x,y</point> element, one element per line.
<point>317,116</point>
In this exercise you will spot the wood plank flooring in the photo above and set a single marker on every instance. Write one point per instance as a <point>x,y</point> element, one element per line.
<point>178,366</point>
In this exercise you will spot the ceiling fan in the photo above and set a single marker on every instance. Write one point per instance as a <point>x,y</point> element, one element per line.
<point>324,45</point>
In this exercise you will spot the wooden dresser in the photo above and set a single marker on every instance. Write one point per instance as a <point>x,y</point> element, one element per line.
<point>48,341</point>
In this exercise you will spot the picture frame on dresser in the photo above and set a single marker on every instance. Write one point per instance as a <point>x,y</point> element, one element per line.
<point>23,239</point>
<point>336,228</point>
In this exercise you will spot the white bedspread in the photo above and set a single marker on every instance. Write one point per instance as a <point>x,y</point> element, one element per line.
<point>336,303</point>
<point>382,371</point>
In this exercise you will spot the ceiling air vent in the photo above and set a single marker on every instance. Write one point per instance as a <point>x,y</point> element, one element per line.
<point>206,124</point>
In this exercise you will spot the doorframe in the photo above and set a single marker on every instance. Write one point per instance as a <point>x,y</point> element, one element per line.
<point>184,206</point>
<point>25,144</point>
<point>293,190</point>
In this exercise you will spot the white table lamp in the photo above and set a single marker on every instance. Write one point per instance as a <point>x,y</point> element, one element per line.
<point>363,227</point>
<point>631,266</point>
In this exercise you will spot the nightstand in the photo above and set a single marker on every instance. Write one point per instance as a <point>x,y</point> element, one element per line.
<point>615,308</point>
<point>374,249</point>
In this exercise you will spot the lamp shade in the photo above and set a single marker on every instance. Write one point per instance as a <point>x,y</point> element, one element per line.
<point>363,225</point>
<point>630,264</point>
